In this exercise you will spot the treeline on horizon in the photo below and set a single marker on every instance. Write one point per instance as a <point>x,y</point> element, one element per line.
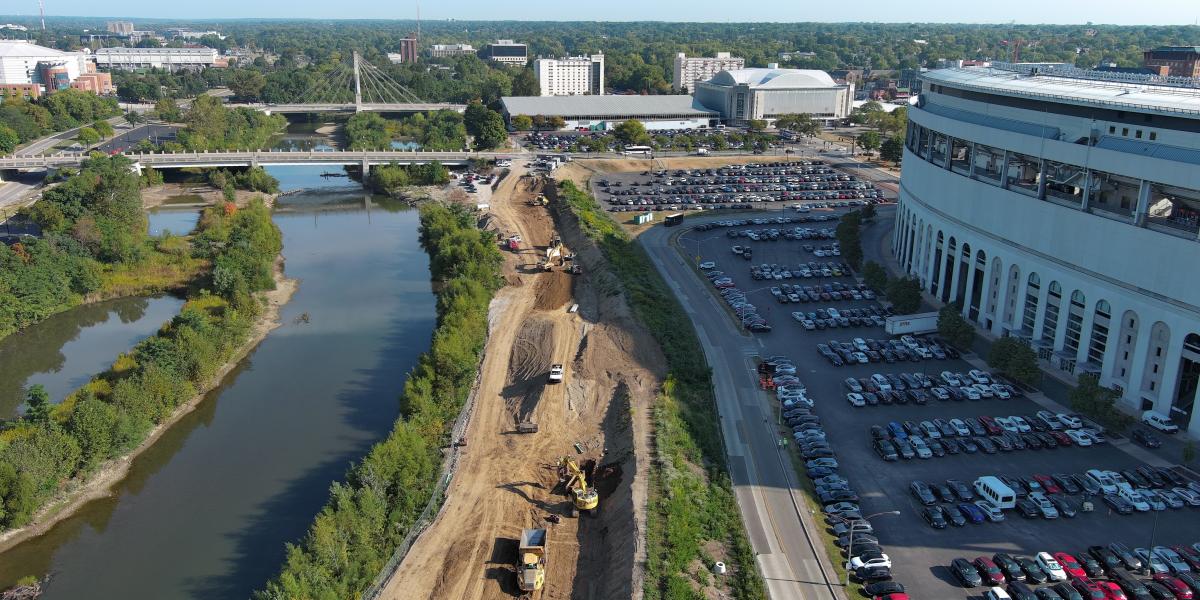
<point>638,56</point>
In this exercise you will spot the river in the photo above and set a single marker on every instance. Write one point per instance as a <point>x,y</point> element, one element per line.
<point>206,511</point>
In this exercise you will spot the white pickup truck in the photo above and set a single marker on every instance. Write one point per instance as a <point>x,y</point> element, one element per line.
<point>556,373</point>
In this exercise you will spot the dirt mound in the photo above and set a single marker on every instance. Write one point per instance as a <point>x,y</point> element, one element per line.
<point>554,290</point>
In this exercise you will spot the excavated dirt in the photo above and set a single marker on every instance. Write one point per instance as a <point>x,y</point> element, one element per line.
<point>507,481</point>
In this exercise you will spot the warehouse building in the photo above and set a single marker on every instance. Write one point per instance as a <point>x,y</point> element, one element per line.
<point>599,113</point>
<point>171,59</point>
<point>741,95</point>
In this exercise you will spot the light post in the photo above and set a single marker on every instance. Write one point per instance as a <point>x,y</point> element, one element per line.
<point>850,544</point>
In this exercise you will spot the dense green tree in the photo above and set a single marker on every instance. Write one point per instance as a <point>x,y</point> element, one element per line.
<point>17,496</point>
<point>247,84</point>
<point>954,328</point>
<point>93,423</point>
<point>213,126</point>
<point>756,124</point>
<point>103,128</point>
<point>369,131</point>
<point>37,405</point>
<point>87,136</point>
<point>168,110</point>
<point>801,123</point>
<point>875,276</point>
<point>525,83</point>
<point>1099,403</point>
<point>849,237</point>
<point>892,149</point>
<point>1016,359</point>
<point>632,133</point>
<point>522,122</point>
<point>868,141</point>
<point>905,295</point>
<point>8,139</point>
<point>492,133</point>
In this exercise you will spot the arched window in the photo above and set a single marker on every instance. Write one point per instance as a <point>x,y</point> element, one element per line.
<point>1074,321</point>
<point>1053,303</point>
<point>1033,289</point>
<point>1099,337</point>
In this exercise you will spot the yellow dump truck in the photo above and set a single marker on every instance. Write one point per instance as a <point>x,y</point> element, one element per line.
<point>531,560</point>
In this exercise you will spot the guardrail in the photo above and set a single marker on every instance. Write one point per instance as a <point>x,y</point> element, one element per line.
<point>252,157</point>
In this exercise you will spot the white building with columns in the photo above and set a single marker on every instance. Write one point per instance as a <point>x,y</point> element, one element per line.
<point>1063,207</point>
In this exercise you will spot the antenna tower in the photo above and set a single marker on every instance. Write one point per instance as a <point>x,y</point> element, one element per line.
<point>42,11</point>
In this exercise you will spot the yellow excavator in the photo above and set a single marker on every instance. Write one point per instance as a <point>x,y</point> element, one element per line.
<point>583,497</point>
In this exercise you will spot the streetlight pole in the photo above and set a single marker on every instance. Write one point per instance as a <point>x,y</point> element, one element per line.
<point>850,544</point>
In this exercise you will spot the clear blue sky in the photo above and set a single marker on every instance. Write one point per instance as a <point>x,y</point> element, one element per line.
<point>1149,12</point>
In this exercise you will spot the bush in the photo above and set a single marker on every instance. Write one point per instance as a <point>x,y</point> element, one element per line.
<point>905,295</point>
<point>1015,359</point>
<point>954,328</point>
<point>691,501</point>
<point>371,513</point>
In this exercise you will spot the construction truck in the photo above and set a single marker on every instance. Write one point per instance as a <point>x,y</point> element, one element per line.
<point>541,200</point>
<point>553,251</point>
<point>513,243</point>
<point>531,560</point>
<point>583,497</point>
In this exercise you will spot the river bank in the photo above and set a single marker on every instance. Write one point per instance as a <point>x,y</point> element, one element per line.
<point>181,195</point>
<point>98,484</point>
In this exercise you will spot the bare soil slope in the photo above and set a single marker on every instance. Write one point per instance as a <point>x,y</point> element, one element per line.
<point>508,481</point>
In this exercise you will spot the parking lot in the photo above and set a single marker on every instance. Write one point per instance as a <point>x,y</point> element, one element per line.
<point>736,187</point>
<point>920,553</point>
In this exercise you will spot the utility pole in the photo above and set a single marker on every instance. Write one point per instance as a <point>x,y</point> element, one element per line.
<point>357,85</point>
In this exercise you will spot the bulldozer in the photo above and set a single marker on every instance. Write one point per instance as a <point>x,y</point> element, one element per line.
<point>541,200</point>
<point>553,251</point>
<point>583,497</point>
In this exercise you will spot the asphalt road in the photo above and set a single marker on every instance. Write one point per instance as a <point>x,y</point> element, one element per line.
<point>920,553</point>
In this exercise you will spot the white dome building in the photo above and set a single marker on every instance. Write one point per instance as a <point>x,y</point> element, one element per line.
<point>744,94</point>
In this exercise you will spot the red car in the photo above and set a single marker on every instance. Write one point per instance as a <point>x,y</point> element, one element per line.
<point>1089,589</point>
<point>1068,563</point>
<point>1048,484</point>
<point>892,597</point>
<point>992,575</point>
<point>989,424</point>
<point>1112,591</point>
<point>1062,438</point>
<point>1189,556</point>
<point>1177,586</point>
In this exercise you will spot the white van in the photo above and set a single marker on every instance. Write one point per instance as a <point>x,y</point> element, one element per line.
<point>1159,421</point>
<point>1106,483</point>
<point>1135,498</point>
<point>996,491</point>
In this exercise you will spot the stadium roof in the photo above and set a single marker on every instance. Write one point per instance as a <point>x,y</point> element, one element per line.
<point>1089,88</point>
<point>775,78</point>
<point>608,106</point>
<point>21,48</point>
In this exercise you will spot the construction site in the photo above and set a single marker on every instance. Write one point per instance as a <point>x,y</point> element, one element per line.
<point>548,497</point>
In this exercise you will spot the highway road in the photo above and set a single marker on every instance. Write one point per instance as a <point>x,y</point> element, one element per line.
<point>782,532</point>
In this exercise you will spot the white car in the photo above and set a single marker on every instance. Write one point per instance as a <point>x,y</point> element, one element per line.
<point>970,392</point>
<point>785,369</point>
<point>879,561</point>
<point>920,447</point>
<point>951,379</point>
<point>996,593</point>
<point>1053,570</point>
<point>960,427</point>
<point>984,390</point>
<point>852,384</point>
<point>856,399</point>
<point>799,316</point>
<point>1187,495</point>
<point>1080,438</point>
<point>1000,392</point>
<point>1022,424</point>
<point>1070,421</point>
<point>859,343</point>
<point>1007,424</point>
<point>861,358</point>
<point>979,376</point>
<point>708,264</point>
<point>909,341</point>
<point>923,352</point>
<point>1050,419</point>
<point>556,373</point>
<point>931,430</point>
<point>940,393</point>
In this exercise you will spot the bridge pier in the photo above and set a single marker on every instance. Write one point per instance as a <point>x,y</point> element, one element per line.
<point>366,171</point>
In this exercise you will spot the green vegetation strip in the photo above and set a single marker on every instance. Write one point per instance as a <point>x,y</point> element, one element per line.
<point>116,410</point>
<point>370,513</point>
<point>691,498</point>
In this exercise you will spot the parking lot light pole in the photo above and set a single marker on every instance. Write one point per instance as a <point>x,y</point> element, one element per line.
<point>850,544</point>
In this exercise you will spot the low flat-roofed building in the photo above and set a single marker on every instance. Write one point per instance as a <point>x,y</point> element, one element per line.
<point>605,112</point>
<point>447,50</point>
<point>171,59</point>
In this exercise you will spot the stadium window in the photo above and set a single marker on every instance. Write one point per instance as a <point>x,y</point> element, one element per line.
<point>1153,135</point>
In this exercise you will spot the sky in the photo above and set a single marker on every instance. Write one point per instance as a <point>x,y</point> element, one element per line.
<point>1121,12</point>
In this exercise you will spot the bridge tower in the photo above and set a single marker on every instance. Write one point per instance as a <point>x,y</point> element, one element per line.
<point>357,85</point>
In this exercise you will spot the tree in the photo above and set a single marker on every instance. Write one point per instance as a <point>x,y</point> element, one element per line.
<point>801,123</point>
<point>37,405</point>
<point>168,110</point>
<point>247,84</point>
<point>954,328</point>
<point>8,139</point>
<point>134,117</point>
<point>869,141</point>
<point>875,276</point>
<point>892,149</point>
<point>756,124</point>
<point>525,83</point>
<point>104,128</point>
<point>632,133</point>
<point>905,295</point>
<point>87,136</point>
<point>1099,403</point>
<point>849,237</point>
<point>492,133</point>
<point>1014,358</point>
<point>522,122</point>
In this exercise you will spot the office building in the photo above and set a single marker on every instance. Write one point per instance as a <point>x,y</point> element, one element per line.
<point>448,50</point>
<point>601,113</point>
<point>506,51</point>
<point>741,95</point>
<point>184,33</point>
<point>408,50</point>
<point>1062,207</point>
<point>171,59</point>
<point>571,76</point>
<point>1175,61</point>
<point>688,71</point>
<point>119,27</point>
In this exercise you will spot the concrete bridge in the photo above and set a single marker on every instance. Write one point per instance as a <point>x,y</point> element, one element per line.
<point>350,107</point>
<point>257,158</point>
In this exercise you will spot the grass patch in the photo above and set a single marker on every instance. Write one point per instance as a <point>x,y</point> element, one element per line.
<point>691,500</point>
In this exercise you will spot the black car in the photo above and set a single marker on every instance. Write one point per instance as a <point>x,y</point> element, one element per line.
<point>943,491</point>
<point>1067,484</point>
<point>966,573</point>
<point>952,446</point>
<point>920,490</point>
<point>1020,591</point>
<point>1118,504</point>
<point>1066,591</point>
<point>1107,558</point>
<point>1033,572</point>
<point>986,445</point>
<point>1090,565</point>
<point>870,575</point>
<point>954,515</point>
<point>1010,566</point>
<point>886,450</point>
<point>1134,588</point>
<point>1128,558</point>
<point>1046,594</point>
<point>1064,506</point>
<point>1145,438</point>
<point>1028,508</point>
<point>883,588</point>
<point>962,490</point>
<point>933,516</point>
<point>1152,475</point>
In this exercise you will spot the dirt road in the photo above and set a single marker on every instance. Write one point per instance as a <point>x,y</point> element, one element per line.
<point>507,481</point>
